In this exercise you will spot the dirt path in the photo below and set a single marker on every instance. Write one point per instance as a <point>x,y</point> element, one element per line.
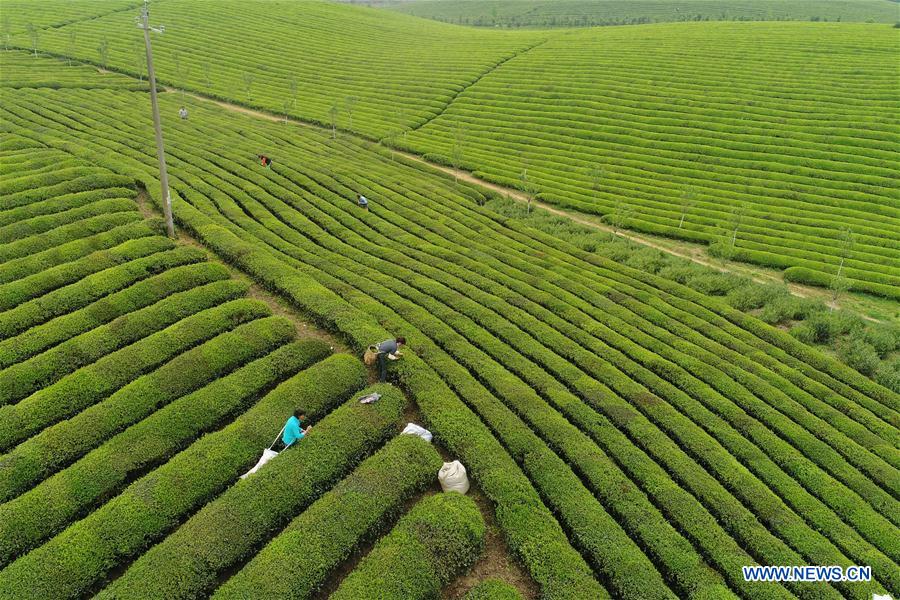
<point>694,254</point>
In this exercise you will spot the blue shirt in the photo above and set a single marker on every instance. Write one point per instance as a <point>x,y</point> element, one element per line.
<point>292,431</point>
<point>363,201</point>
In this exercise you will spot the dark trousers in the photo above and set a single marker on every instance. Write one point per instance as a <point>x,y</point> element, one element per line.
<point>382,367</point>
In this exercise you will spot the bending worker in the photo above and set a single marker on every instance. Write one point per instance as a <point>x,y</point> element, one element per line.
<point>388,349</point>
<point>292,429</point>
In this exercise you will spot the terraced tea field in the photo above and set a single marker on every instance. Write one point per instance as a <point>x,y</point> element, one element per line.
<point>772,143</point>
<point>634,438</point>
<point>768,152</point>
<point>591,13</point>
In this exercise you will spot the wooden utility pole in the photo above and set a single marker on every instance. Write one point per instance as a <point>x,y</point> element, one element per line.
<point>144,23</point>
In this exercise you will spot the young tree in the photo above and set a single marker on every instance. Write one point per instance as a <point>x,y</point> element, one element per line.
<point>687,201</point>
<point>333,112</point>
<point>839,283</point>
<point>182,73</point>
<point>140,58</point>
<point>103,52</point>
<point>597,175</point>
<point>527,186</point>
<point>207,76</point>
<point>456,152</point>
<point>248,84</point>
<point>35,34</point>
<point>349,103</point>
<point>735,221</point>
<point>7,31</point>
<point>622,211</point>
<point>293,87</point>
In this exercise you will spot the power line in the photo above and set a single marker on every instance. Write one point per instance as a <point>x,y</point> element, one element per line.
<point>144,23</point>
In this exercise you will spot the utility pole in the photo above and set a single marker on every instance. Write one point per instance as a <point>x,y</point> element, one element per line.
<point>144,23</point>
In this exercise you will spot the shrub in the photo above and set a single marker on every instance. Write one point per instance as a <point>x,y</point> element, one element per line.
<point>789,308</point>
<point>330,531</point>
<point>754,295</point>
<point>714,284</point>
<point>884,337</point>
<point>441,536</point>
<point>59,445</point>
<point>888,373</point>
<point>858,354</point>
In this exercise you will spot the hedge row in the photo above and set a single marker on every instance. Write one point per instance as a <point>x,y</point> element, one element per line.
<point>464,348</point>
<point>530,529</point>
<point>77,560</point>
<point>138,449</point>
<point>88,385</point>
<point>95,179</point>
<point>441,536</point>
<point>21,380</point>
<point>88,289</point>
<point>45,223</point>
<point>332,529</point>
<point>135,297</point>
<point>57,446</point>
<point>35,285</point>
<point>226,532</point>
<point>72,251</point>
<point>66,233</point>
<point>62,203</point>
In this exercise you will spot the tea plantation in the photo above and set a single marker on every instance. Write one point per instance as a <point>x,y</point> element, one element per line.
<point>626,436</point>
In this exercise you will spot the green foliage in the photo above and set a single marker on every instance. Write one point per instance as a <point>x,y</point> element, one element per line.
<point>860,355</point>
<point>493,589</point>
<point>76,560</point>
<point>226,532</point>
<point>590,13</point>
<point>441,536</point>
<point>58,501</point>
<point>332,529</point>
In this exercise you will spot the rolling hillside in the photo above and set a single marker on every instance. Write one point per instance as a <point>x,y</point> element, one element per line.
<point>592,13</point>
<point>635,438</point>
<point>773,143</point>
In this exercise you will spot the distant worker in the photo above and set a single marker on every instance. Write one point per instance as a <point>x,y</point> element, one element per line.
<point>182,113</point>
<point>362,201</point>
<point>388,350</point>
<point>292,429</point>
<point>264,160</point>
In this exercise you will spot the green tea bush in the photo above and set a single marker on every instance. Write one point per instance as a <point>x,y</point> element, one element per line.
<point>329,531</point>
<point>441,536</point>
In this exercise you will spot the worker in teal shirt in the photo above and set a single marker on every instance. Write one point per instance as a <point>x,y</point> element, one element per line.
<point>292,429</point>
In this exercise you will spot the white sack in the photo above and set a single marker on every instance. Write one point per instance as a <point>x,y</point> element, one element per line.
<point>266,457</point>
<point>413,429</point>
<point>453,477</point>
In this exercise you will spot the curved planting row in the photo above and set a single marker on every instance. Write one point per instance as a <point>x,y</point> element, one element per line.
<point>439,537</point>
<point>763,181</point>
<point>128,367</point>
<point>333,527</point>
<point>606,386</point>
<point>389,72</point>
